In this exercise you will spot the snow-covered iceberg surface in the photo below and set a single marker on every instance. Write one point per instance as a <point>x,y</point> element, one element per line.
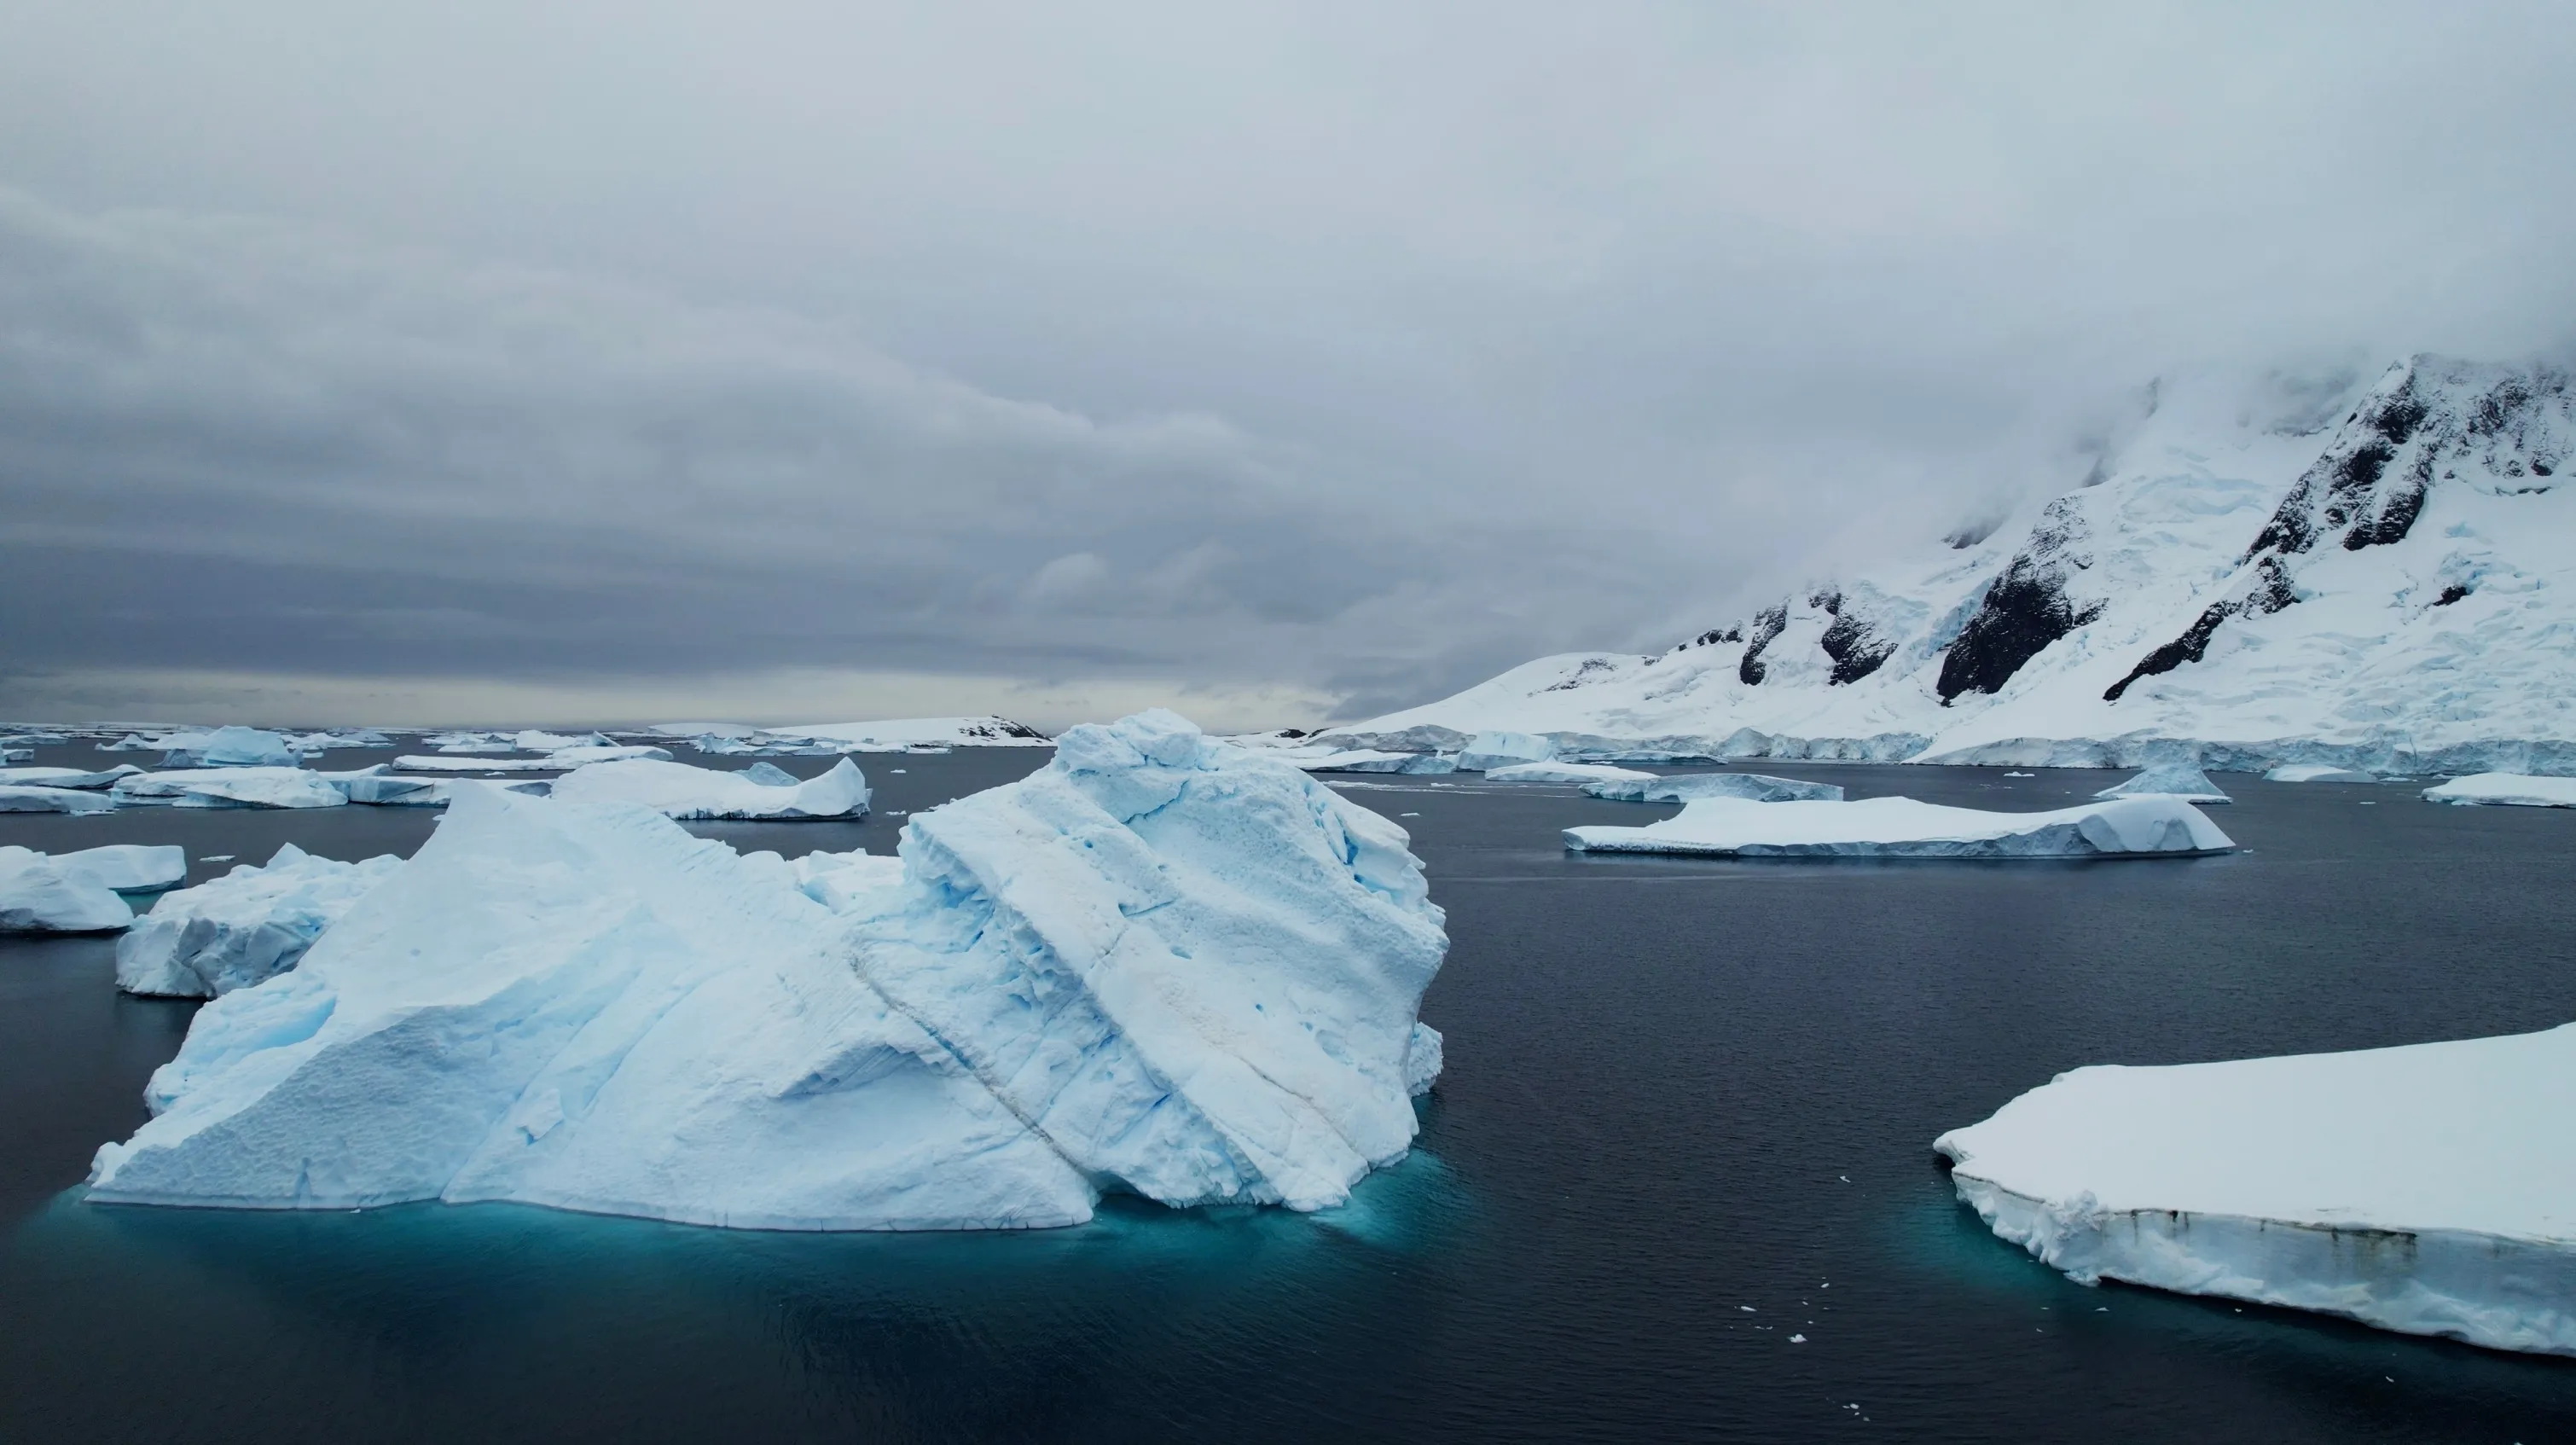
<point>1502,749</point>
<point>387,791</point>
<point>911,732</point>
<point>247,926</point>
<point>244,787</point>
<point>28,799</point>
<point>2171,780</point>
<point>2316,773</point>
<point>1905,828</point>
<point>1753,787</point>
<point>680,790</point>
<point>1158,965</point>
<point>2427,1189</point>
<point>129,867</point>
<point>64,777</point>
<point>2512,789</point>
<point>228,747</point>
<point>1595,774</point>
<point>40,894</point>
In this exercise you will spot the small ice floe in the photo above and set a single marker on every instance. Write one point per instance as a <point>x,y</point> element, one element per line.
<point>682,790</point>
<point>2426,1188</point>
<point>1906,828</point>
<point>2169,780</point>
<point>1684,787</point>
<point>16,798</point>
<point>249,925</point>
<point>1591,774</point>
<point>2316,773</point>
<point>2515,790</point>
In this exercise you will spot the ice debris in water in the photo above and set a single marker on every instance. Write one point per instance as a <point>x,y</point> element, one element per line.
<point>1906,828</point>
<point>2511,789</point>
<point>1158,965</point>
<point>1753,787</point>
<point>243,928</point>
<point>2426,1188</point>
<point>682,790</point>
<point>2171,780</point>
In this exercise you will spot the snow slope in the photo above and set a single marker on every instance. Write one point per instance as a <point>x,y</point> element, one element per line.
<point>2377,576</point>
<point>1905,828</point>
<point>2427,1189</point>
<point>1158,964</point>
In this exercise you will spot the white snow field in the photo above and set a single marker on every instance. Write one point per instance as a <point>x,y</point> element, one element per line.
<point>1905,828</point>
<point>1754,787</point>
<point>1592,773</point>
<point>2317,773</point>
<point>2427,1189</point>
<point>680,790</point>
<point>2510,789</point>
<point>227,787</point>
<point>2373,574</point>
<point>129,867</point>
<point>1158,964</point>
<point>2170,780</point>
<point>247,926</point>
<point>30,799</point>
<point>39,894</point>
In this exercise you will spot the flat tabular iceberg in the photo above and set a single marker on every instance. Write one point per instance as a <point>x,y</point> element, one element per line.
<point>1592,773</point>
<point>228,747</point>
<point>2512,789</point>
<point>28,799</point>
<point>64,777</point>
<point>2427,1189</point>
<point>679,790</point>
<point>129,867</point>
<point>1753,787</point>
<point>232,788</point>
<point>243,928</point>
<point>1158,965</point>
<point>2316,773</point>
<point>2170,780</point>
<point>1502,749</point>
<point>39,894</point>
<point>1905,828</point>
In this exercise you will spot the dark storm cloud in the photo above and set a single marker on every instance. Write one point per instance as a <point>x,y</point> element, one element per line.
<point>1356,350</point>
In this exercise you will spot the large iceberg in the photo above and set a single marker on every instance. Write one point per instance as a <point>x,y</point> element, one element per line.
<point>227,787</point>
<point>16,798</point>
<point>228,747</point>
<point>65,777</point>
<point>245,927</point>
<point>679,790</point>
<point>1595,774</point>
<point>2512,789</point>
<point>2427,1188</point>
<point>1753,787</point>
<point>1158,965</point>
<point>39,894</point>
<point>2169,780</point>
<point>1906,828</point>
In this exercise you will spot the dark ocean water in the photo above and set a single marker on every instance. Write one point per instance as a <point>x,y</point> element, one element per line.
<point>1688,1112</point>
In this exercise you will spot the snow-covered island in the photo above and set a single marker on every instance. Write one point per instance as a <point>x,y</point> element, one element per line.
<point>1159,965</point>
<point>2427,1189</point>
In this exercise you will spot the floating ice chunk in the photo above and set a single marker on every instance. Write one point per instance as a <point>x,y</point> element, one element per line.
<point>228,747</point>
<point>17,755</point>
<point>584,754</point>
<point>395,792</point>
<point>770,775</point>
<point>895,734</point>
<point>25,799</point>
<point>40,895</point>
<point>1905,828</point>
<point>1502,749</point>
<point>1422,1059</point>
<point>2316,773</point>
<point>1753,787</point>
<point>2170,780</point>
<point>64,777</point>
<point>1593,773</point>
<point>232,788</point>
<point>249,925</point>
<point>580,1005</point>
<point>128,867</point>
<point>2427,1189</point>
<point>537,740</point>
<point>680,790</point>
<point>2514,789</point>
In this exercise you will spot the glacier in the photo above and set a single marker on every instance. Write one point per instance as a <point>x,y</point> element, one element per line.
<point>1906,828</point>
<point>41,894</point>
<point>679,790</point>
<point>2374,574</point>
<point>1159,965</point>
<point>2172,780</point>
<point>245,927</point>
<point>2426,1189</point>
<point>1755,787</point>
<point>2512,789</point>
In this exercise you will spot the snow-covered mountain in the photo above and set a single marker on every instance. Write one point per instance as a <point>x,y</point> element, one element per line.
<point>2375,574</point>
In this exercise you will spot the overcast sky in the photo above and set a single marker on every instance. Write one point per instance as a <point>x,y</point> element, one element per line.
<point>526,362</point>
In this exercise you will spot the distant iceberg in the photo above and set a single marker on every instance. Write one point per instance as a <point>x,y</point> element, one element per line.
<point>2170,780</point>
<point>2316,773</point>
<point>1753,787</point>
<point>285,787</point>
<point>2510,789</point>
<point>16,798</point>
<point>228,747</point>
<point>1158,965</point>
<point>243,928</point>
<point>2427,1189</point>
<point>1905,828</point>
<point>65,777</point>
<point>1591,773</point>
<point>678,790</point>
